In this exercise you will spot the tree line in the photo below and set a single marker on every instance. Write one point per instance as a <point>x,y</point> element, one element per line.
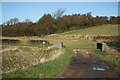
<point>56,23</point>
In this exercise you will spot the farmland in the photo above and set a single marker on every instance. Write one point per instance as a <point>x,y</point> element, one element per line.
<point>25,60</point>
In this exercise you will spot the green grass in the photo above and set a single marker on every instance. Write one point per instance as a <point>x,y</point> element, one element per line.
<point>96,30</point>
<point>114,44</point>
<point>110,59</point>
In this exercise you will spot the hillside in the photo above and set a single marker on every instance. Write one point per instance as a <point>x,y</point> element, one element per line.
<point>105,29</point>
<point>53,68</point>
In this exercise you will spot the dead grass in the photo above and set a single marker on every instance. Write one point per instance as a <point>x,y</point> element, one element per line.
<point>55,55</point>
<point>16,58</point>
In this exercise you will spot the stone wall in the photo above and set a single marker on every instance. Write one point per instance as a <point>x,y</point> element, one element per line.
<point>108,49</point>
<point>101,37</point>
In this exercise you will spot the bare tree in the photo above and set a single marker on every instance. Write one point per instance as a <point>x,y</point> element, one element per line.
<point>11,21</point>
<point>15,20</point>
<point>4,24</point>
<point>89,16</point>
<point>27,20</point>
<point>58,13</point>
<point>8,23</point>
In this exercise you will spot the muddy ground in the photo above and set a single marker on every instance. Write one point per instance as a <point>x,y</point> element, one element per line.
<point>85,64</point>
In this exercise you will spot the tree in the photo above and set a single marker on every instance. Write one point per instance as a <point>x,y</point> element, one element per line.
<point>11,21</point>
<point>27,20</point>
<point>46,18</point>
<point>15,20</point>
<point>58,13</point>
<point>8,23</point>
<point>89,16</point>
<point>4,24</point>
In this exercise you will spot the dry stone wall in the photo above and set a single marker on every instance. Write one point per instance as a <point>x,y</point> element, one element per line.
<point>106,48</point>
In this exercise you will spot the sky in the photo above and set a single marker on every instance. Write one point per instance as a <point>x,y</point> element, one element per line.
<point>35,10</point>
<point>60,0</point>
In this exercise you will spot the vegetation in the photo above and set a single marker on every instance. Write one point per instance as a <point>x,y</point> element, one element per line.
<point>19,57</point>
<point>54,68</point>
<point>115,45</point>
<point>106,29</point>
<point>25,59</point>
<point>112,59</point>
<point>57,23</point>
<point>49,69</point>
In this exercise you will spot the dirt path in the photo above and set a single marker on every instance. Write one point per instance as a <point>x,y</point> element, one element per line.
<point>85,64</point>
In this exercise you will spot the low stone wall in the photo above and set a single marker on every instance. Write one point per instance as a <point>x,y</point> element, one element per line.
<point>101,37</point>
<point>108,49</point>
<point>66,36</point>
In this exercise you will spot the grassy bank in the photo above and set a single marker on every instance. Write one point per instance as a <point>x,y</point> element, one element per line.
<point>48,69</point>
<point>112,59</point>
<point>115,45</point>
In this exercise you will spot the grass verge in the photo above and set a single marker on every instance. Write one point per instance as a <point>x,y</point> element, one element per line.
<point>112,59</point>
<point>50,69</point>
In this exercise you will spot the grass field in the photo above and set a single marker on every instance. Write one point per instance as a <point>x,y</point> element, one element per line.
<point>52,68</point>
<point>97,30</point>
